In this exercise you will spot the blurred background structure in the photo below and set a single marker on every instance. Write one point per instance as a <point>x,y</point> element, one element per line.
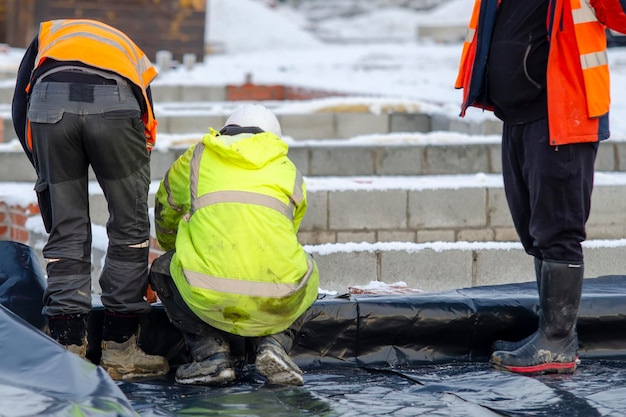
<point>174,25</point>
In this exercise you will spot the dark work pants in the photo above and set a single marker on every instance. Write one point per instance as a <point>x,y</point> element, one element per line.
<point>75,126</point>
<point>548,190</point>
<point>202,339</point>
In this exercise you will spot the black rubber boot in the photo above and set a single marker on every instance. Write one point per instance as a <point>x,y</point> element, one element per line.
<point>553,348</point>
<point>511,346</point>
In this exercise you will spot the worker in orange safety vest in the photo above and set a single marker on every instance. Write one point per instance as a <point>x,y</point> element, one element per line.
<point>82,99</point>
<point>541,66</point>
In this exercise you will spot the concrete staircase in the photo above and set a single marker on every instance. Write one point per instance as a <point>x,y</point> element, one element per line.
<point>423,202</point>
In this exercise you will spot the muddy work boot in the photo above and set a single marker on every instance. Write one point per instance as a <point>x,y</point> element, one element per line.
<point>70,331</point>
<point>80,350</point>
<point>553,348</point>
<point>273,363</point>
<point>215,370</point>
<point>126,360</point>
<point>509,346</point>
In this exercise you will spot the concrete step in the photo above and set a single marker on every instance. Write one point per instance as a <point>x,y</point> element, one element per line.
<point>414,208</point>
<point>436,153</point>
<point>457,211</point>
<point>334,118</point>
<point>432,266</point>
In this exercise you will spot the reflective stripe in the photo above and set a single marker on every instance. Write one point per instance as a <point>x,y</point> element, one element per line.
<point>168,190</point>
<point>298,195</point>
<point>585,14</point>
<point>248,288</point>
<point>244,197</point>
<point>141,63</point>
<point>469,35</point>
<point>237,196</point>
<point>58,24</point>
<point>594,59</point>
<point>194,173</point>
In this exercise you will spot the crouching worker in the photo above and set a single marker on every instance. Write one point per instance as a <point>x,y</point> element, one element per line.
<point>227,213</point>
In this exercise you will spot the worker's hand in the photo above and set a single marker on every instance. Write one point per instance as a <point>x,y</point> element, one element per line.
<point>151,296</point>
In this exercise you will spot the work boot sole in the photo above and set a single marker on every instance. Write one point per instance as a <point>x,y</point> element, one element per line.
<point>119,374</point>
<point>224,376</point>
<point>277,370</point>
<point>540,369</point>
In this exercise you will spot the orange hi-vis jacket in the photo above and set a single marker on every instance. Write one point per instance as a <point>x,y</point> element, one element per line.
<point>101,46</point>
<point>578,87</point>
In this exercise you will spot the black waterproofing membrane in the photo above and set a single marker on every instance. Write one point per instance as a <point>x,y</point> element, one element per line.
<point>392,355</point>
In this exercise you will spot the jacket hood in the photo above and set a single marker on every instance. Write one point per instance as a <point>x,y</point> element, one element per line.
<point>248,150</point>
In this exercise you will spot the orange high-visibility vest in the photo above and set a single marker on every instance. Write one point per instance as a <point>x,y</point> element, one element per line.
<point>577,78</point>
<point>102,46</point>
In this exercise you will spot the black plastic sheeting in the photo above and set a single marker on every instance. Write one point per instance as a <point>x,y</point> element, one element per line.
<point>413,355</point>
<point>38,377</point>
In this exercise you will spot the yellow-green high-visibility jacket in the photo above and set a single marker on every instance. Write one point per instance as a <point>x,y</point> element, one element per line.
<point>231,206</point>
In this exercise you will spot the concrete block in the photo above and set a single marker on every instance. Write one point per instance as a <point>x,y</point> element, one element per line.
<point>495,158</point>
<point>193,123</point>
<point>160,161</point>
<point>491,127</point>
<point>366,210</point>
<point>162,93</point>
<point>443,208</point>
<point>316,237</point>
<point>316,217</point>
<point>399,160</point>
<point>437,235</point>
<point>606,232</point>
<point>506,234</point>
<point>441,33</point>
<point>202,93</point>
<point>356,237</point>
<point>475,235</point>
<point>503,266</point>
<point>606,159</point>
<point>349,125</point>
<point>409,122</point>
<point>440,122</point>
<point>427,269</point>
<point>6,94</point>
<point>396,236</point>
<point>498,211</point>
<point>15,166</point>
<point>620,155</point>
<point>459,125</point>
<point>308,126</point>
<point>8,131</point>
<point>458,159</point>
<point>340,270</point>
<point>341,161</point>
<point>299,155</point>
<point>608,205</point>
<point>604,260</point>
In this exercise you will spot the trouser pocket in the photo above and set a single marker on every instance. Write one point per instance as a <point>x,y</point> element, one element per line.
<point>42,189</point>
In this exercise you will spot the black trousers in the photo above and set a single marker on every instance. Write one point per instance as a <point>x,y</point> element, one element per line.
<point>548,190</point>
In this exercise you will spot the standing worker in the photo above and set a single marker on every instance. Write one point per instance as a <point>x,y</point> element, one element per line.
<point>541,66</point>
<point>82,98</point>
<point>228,212</point>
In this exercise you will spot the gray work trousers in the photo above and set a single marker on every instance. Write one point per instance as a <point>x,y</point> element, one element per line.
<point>75,126</point>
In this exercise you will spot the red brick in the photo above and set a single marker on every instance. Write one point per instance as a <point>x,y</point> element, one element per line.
<point>253,92</point>
<point>19,235</point>
<point>18,218</point>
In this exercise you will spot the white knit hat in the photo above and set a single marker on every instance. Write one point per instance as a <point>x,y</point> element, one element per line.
<point>255,115</point>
